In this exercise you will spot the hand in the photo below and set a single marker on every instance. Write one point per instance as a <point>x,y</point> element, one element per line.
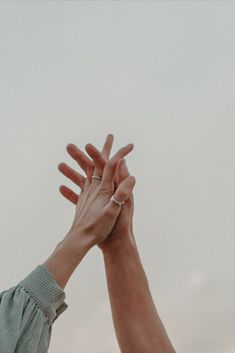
<point>95,213</point>
<point>122,231</point>
<point>123,228</point>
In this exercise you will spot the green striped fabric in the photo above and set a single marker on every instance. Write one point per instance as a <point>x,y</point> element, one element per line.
<point>27,312</point>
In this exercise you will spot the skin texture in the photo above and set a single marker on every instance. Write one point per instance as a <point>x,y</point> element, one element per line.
<point>137,324</point>
<point>95,213</point>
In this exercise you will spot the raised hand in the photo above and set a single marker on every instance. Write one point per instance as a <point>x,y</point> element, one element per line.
<point>96,213</point>
<point>123,228</point>
<point>132,305</point>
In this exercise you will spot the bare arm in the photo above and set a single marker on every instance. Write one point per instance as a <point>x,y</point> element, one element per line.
<point>137,324</point>
<point>64,260</point>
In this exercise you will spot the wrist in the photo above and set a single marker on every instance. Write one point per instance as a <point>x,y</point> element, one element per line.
<point>66,257</point>
<point>119,246</point>
<point>75,244</point>
<point>61,265</point>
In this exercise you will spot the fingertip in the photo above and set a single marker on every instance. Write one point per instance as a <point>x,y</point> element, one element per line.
<point>61,187</point>
<point>128,148</point>
<point>60,166</point>
<point>90,149</point>
<point>131,146</point>
<point>88,146</point>
<point>110,136</point>
<point>69,146</point>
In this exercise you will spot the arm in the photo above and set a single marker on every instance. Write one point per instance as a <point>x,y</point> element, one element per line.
<point>137,324</point>
<point>95,213</point>
<point>28,310</point>
<point>64,260</point>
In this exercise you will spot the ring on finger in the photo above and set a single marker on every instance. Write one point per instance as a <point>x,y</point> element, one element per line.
<point>96,177</point>
<point>119,203</point>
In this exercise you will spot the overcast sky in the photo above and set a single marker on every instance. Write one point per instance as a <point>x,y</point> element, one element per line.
<point>159,75</point>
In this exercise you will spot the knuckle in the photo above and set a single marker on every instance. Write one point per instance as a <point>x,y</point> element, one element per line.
<point>106,189</point>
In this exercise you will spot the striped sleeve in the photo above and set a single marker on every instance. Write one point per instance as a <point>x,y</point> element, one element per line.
<point>27,312</point>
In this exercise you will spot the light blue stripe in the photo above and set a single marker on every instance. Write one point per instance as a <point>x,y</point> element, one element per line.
<point>27,312</point>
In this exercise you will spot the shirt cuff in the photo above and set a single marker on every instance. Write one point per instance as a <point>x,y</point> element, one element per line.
<point>45,291</point>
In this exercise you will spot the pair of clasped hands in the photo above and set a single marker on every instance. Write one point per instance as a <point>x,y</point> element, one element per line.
<point>98,219</point>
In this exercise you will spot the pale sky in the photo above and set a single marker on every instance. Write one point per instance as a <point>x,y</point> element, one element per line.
<point>159,75</point>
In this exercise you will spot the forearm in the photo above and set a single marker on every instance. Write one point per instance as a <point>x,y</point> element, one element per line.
<point>138,326</point>
<point>64,260</point>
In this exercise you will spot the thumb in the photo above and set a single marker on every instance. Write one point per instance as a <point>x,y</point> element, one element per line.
<point>122,194</point>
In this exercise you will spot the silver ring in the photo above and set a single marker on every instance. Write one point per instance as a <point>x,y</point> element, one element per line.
<point>119,203</point>
<point>96,177</point>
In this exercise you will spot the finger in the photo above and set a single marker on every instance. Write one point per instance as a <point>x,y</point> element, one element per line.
<point>81,158</point>
<point>122,194</point>
<point>98,159</point>
<point>70,173</point>
<point>111,164</point>
<point>106,150</point>
<point>122,171</point>
<point>119,172</point>
<point>69,194</point>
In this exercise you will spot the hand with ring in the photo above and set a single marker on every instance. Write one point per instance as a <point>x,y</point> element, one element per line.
<point>98,204</point>
<point>103,216</point>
